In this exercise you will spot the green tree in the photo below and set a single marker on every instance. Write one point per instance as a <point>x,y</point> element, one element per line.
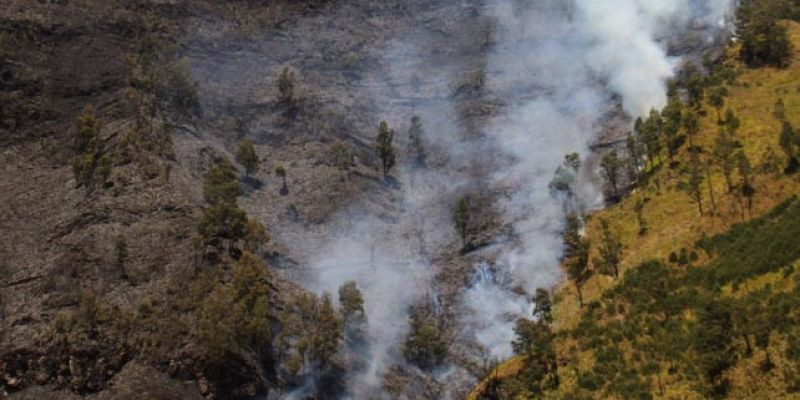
<point>711,341</point>
<point>724,155</point>
<point>425,346</point>
<point>610,252</point>
<point>635,152</point>
<point>384,147</point>
<point>351,306</point>
<point>416,141</point>
<point>789,141</point>
<point>732,122</point>
<point>639,208</point>
<point>220,184</point>
<point>542,306</point>
<point>87,147</point>
<point>342,157</point>
<point>693,185</point>
<point>329,326</point>
<point>611,166</point>
<point>534,340</point>
<point>746,188</point>
<point>672,116</point>
<point>692,125</point>
<point>286,95</point>
<point>577,266</point>
<point>695,86</point>
<point>461,217</point>
<point>246,155</point>
<point>235,319</point>
<point>254,235</point>
<point>717,100</point>
<point>280,170</point>
<point>223,220</point>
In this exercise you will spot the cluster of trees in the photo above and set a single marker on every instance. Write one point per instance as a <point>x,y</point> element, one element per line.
<point>764,39</point>
<point>425,345</point>
<point>535,341</point>
<point>576,253</point>
<point>223,219</point>
<point>416,151</point>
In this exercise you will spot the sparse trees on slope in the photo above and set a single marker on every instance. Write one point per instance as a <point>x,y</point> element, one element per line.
<point>384,147</point>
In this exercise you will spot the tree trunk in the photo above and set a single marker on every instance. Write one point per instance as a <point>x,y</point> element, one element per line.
<point>711,191</point>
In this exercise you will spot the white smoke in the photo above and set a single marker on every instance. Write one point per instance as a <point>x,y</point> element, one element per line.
<point>577,56</point>
<point>560,66</point>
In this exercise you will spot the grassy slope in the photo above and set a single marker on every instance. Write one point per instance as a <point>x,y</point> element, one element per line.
<point>673,220</point>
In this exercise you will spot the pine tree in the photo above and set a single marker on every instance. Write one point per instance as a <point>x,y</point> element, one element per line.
<point>611,166</point>
<point>329,333</point>
<point>542,306</point>
<point>717,100</point>
<point>745,187</point>
<point>610,252</point>
<point>789,141</point>
<point>692,125</point>
<point>693,185</point>
<point>577,266</point>
<point>724,155</point>
<point>286,87</point>
<point>384,147</point>
<point>246,155</point>
<point>280,170</point>
<point>351,306</point>
<point>220,184</point>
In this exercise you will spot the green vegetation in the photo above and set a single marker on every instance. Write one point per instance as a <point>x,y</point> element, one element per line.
<point>425,346</point>
<point>384,147</point>
<point>246,155</point>
<point>88,148</point>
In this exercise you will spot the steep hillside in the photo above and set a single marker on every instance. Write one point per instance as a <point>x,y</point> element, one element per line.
<point>706,244</point>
